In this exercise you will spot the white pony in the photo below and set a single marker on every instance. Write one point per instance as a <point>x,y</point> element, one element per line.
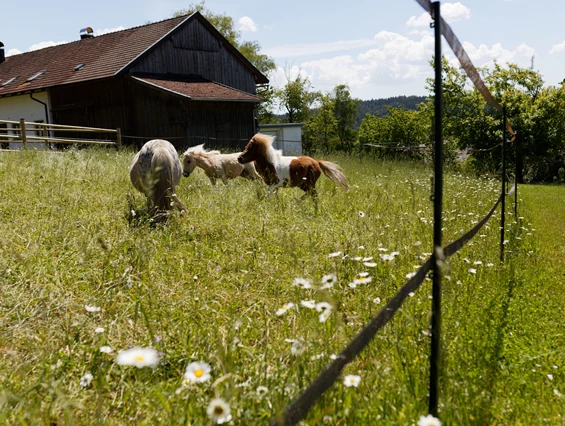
<point>155,171</point>
<point>216,165</point>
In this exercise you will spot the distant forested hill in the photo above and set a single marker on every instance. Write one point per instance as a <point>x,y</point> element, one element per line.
<point>378,106</point>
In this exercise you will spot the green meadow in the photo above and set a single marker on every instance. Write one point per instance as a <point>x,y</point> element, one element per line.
<point>217,285</point>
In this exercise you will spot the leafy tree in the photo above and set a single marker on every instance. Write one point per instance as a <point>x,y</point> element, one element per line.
<point>345,108</point>
<point>321,132</point>
<point>296,98</point>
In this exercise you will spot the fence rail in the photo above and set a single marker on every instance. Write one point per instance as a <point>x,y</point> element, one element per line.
<point>25,132</point>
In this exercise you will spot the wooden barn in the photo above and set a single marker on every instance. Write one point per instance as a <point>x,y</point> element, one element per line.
<point>177,79</point>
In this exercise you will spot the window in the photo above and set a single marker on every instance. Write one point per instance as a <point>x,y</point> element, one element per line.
<point>79,66</point>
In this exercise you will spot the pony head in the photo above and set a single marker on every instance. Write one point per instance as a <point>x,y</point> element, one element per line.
<point>190,156</point>
<point>260,146</point>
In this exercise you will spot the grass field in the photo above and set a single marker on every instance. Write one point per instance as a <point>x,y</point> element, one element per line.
<point>207,287</point>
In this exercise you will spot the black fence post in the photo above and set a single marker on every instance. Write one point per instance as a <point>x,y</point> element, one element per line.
<point>438,201</point>
<point>516,178</point>
<point>503,179</point>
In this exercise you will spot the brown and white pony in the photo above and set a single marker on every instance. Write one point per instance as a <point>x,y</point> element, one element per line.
<point>216,165</point>
<point>155,171</point>
<point>278,170</point>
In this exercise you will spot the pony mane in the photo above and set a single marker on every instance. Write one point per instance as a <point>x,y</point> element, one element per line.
<point>199,150</point>
<point>265,143</point>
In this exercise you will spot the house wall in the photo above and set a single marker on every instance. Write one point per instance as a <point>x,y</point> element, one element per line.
<point>193,49</point>
<point>13,108</point>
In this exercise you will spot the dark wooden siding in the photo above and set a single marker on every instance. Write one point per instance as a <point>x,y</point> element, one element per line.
<point>193,49</point>
<point>144,113</point>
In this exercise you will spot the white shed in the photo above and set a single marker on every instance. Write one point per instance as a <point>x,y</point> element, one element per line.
<point>289,136</point>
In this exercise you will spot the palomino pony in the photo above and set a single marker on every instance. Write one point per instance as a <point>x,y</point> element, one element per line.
<point>216,165</point>
<point>278,170</point>
<point>155,171</point>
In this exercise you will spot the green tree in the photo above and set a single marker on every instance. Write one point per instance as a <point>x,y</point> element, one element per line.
<point>345,109</point>
<point>296,98</point>
<point>321,131</point>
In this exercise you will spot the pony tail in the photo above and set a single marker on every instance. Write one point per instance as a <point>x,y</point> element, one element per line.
<point>335,173</point>
<point>163,182</point>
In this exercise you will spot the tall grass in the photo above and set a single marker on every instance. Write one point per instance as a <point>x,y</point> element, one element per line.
<point>206,286</point>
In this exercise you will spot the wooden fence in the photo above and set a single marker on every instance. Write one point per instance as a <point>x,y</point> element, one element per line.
<point>30,132</point>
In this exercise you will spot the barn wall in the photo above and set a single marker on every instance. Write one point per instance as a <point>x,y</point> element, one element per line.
<point>143,113</point>
<point>193,49</point>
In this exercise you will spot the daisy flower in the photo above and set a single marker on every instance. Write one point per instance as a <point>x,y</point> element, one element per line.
<point>351,380</point>
<point>328,281</point>
<point>323,306</point>
<point>99,330</point>
<point>325,315</point>
<point>297,346</point>
<point>219,411</point>
<point>302,283</point>
<point>335,254</point>
<point>370,264</point>
<point>106,349</point>
<point>284,308</point>
<point>86,379</point>
<point>138,357</point>
<point>92,308</point>
<point>310,304</point>
<point>197,372</point>
<point>472,271</point>
<point>429,420</point>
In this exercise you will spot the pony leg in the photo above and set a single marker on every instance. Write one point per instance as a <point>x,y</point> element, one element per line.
<point>212,180</point>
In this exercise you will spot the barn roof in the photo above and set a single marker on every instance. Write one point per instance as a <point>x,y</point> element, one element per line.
<point>199,90</point>
<point>101,57</point>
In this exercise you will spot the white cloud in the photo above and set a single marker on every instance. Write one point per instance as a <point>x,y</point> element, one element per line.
<point>558,48</point>
<point>451,12</point>
<point>394,60</point>
<point>11,52</point>
<point>484,56</point>
<point>245,24</point>
<point>293,50</point>
<point>44,44</point>
<point>108,30</point>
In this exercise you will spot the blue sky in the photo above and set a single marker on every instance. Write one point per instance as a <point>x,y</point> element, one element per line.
<point>378,48</point>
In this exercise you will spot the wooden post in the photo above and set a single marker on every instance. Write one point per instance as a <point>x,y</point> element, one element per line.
<point>119,137</point>
<point>46,134</point>
<point>23,132</point>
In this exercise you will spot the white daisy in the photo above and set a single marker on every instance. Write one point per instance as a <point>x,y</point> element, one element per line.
<point>351,380</point>
<point>99,330</point>
<point>335,254</point>
<point>323,306</point>
<point>138,357</point>
<point>219,411</point>
<point>106,349</point>
<point>325,315</point>
<point>92,308</point>
<point>472,271</point>
<point>377,300</point>
<point>198,372</point>
<point>310,304</point>
<point>86,379</point>
<point>302,283</point>
<point>328,281</point>
<point>429,420</point>
<point>284,308</point>
<point>410,275</point>
<point>370,264</point>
